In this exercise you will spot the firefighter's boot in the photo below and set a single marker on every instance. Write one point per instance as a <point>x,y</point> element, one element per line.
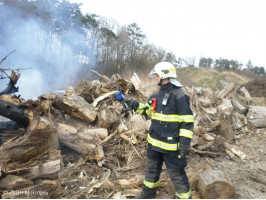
<point>143,196</point>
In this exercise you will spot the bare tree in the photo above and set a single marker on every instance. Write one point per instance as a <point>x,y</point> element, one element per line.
<point>190,61</point>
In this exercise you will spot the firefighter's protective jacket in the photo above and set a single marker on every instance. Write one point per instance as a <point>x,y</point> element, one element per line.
<point>171,123</point>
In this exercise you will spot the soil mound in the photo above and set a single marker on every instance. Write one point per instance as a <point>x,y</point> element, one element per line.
<point>256,88</point>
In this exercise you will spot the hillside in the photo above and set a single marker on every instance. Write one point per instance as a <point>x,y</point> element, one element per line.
<point>205,77</point>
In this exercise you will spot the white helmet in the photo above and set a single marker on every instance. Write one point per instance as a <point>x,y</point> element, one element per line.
<point>164,70</point>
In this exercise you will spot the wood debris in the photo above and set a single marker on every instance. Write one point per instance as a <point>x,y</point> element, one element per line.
<point>104,142</point>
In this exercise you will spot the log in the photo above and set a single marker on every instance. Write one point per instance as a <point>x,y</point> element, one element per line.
<point>78,107</point>
<point>246,94</point>
<point>207,153</point>
<point>80,140</point>
<point>238,106</point>
<point>205,146</point>
<point>136,82</point>
<point>44,169</point>
<point>12,108</point>
<point>213,184</point>
<point>226,91</point>
<point>231,155</point>
<point>257,116</point>
<point>208,137</point>
<point>105,78</point>
<point>231,148</point>
<point>41,136</point>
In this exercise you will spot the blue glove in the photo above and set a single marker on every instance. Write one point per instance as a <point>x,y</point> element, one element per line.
<point>119,96</point>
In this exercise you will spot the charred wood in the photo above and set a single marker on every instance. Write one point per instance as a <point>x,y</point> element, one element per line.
<point>13,109</point>
<point>11,85</point>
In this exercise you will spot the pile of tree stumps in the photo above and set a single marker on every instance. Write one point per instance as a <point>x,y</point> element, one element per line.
<point>88,120</point>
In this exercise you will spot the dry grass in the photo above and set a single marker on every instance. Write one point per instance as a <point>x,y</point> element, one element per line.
<point>192,76</point>
<point>206,77</point>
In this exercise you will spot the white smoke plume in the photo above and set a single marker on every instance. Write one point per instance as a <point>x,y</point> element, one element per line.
<point>51,58</point>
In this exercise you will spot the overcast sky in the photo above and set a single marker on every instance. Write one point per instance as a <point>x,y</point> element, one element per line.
<point>231,29</point>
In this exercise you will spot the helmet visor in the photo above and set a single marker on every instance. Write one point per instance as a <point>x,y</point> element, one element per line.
<point>153,73</point>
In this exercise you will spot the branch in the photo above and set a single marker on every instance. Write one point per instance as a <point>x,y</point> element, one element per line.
<point>6,56</point>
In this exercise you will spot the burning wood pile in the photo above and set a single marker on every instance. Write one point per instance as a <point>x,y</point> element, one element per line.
<point>86,119</point>
<point>81,144</point>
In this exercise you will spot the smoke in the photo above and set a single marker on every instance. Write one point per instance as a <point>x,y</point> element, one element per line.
<point>52,58</point>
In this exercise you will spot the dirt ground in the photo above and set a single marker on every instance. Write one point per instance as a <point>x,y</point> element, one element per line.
<point>256,88</point>
<point>248,176</point>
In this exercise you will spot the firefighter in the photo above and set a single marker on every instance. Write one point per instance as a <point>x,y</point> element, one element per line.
<point>170,132</point>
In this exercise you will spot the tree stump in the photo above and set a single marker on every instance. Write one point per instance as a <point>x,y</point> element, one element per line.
<point>106,118</point>
<point>40,137</point>
<point>257,116</point>
<point>212,184</point>
<point>194,172</point>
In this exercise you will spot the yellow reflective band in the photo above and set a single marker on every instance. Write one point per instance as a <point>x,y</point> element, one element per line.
<point>162,145</point>
<point>184,195</point>
<point>165,118</point>
<point>186,133</point>
<point>172,117</point>
<point>148,112</point>
<point>150,184</point>
<point>186,118</point>
<point>140,108</point>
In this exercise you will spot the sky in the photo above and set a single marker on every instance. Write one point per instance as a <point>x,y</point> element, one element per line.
<point>231,29</point>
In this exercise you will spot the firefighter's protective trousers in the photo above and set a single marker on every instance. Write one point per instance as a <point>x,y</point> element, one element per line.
<point>172,124</point>
<point>175,167</point>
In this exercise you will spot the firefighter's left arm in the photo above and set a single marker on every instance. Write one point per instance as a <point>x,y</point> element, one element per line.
<point>186,124</point>
<point>140,108</point>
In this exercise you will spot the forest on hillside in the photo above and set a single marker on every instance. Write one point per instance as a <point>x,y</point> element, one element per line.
<point>54,37</point>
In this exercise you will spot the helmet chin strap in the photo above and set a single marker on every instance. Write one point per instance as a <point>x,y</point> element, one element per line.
<point>160,83</point>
